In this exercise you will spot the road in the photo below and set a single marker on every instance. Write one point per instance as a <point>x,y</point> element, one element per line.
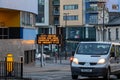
<point>60,75</point>
<point>54,71</point>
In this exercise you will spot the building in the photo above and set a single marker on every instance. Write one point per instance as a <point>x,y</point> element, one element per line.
<point>113,26</point>
<point>42,20</point>
<point>96,14</point>
<point>72,19</point>
<point>17,29</point>
<point>113,29</point>
<point>48,19</point>
<point>71,13</point>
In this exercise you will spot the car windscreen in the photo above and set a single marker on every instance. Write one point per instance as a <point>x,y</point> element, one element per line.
<point>93,48</point>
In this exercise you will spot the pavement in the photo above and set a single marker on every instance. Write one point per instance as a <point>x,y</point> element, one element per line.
<point>35,67</point>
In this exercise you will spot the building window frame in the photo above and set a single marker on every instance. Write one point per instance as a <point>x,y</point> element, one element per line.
<point>115,7</point>
<point>70,17</point>
<point>109,34</point>
<point>28,19</point>
<point>70,7</point>
<point>117,33</point>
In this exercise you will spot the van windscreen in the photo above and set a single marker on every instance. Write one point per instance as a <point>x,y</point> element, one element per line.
<point>93,48</point>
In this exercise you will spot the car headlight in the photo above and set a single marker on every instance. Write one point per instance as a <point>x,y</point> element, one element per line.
<point>101,61</point>
<point>75,60</point>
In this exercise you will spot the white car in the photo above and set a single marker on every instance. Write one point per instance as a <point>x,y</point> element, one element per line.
<point>38,56</point>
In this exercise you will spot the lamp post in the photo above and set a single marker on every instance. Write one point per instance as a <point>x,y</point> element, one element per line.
<point>103,20</point>
<point>66,18</point>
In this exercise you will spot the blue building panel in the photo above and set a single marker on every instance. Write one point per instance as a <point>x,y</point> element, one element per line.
<point>21,32</point>
<point>28,33</point>
<point>91,12</point>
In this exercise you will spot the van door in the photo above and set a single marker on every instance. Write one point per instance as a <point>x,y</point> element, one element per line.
<point>115,58</point>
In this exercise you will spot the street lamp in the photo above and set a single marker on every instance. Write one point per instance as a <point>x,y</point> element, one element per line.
<point>103,20</point>
<point>66,18</point>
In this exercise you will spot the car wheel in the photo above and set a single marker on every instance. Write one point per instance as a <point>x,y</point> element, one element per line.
<point>107,76</point>
<point>74,76</point>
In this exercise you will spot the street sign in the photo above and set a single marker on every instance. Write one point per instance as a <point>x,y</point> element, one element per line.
<point>47,39</point>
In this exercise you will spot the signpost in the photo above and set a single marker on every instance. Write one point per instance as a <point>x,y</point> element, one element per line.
<point>43,39</point>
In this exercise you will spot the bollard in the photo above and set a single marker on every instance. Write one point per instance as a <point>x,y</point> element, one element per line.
<point>9,64</point>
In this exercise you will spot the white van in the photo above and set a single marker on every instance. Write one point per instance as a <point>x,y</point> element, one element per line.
<point>96,59</point>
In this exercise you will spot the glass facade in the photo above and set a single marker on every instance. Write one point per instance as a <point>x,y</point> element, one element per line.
<point>81,34</point>
<point>40,18</point>
<point>76,34</point>
<point>91,13</point>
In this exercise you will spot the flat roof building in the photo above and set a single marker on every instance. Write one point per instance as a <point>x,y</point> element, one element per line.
<point>17,28</point>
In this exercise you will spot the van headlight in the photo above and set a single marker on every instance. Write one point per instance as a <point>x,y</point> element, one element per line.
<point>75,60</point>
<point>101,61</point>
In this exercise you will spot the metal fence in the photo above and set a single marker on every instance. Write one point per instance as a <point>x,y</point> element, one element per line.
<point>11,70</point>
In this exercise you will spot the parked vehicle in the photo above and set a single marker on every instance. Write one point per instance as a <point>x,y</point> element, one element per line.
<point>96,59</point>
<point>45,56</point>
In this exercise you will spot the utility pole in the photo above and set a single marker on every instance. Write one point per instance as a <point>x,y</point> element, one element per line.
<point>66,18</point>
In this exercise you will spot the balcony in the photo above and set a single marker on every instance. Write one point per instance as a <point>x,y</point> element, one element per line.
<point>92,10</point>
<point>92,21</point>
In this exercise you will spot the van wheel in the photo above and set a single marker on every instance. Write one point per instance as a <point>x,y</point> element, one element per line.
<point>74,76</point>
<point>118,76</point>
<point>107,76</point>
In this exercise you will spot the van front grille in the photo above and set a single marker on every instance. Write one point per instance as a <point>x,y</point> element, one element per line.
<point>91,63</point>
<point>81,63</point>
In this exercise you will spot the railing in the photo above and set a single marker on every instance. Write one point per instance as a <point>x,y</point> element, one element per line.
<point>11,70</point>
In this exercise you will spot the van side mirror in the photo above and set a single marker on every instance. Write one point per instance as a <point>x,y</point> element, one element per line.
<point>73,52</point>
<point>112,54</point>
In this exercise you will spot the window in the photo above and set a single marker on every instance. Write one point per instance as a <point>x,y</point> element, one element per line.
<point>70,7</point>
<point>40,18</point>
<point>115,6</point>
<point>93,48</point>
<point>109,34</point>
<point>70,17</point>
<point>93,19</point>
<point>28,19</point>
<point>4,33</point>
<point>117,33</point>
<point>117,50</point>
<point>93,7</point>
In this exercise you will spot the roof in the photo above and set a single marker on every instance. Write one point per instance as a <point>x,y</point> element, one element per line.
<point>115,22</point>
<point>102,42</point>
<point>96,42</point>
<point>114,19</point>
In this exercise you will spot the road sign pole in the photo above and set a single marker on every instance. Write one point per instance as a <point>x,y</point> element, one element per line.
<point>42,55</point>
